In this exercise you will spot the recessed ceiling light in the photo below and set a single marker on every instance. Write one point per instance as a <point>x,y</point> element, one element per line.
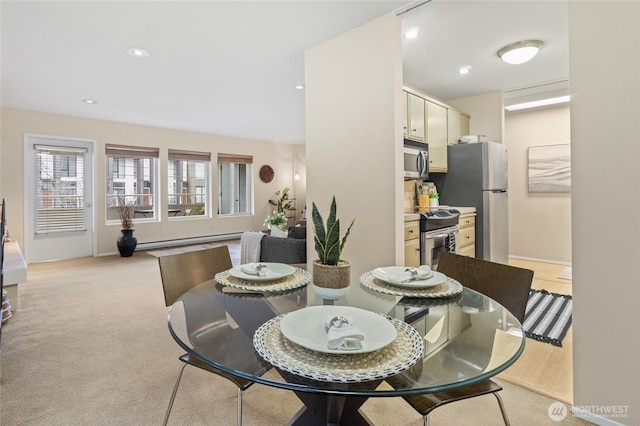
<point>90,101</point>
<point>412,33</point>
<point>520,52</point>
<point>464,70</point>
<point>136,52</point>
<point>299,87</point>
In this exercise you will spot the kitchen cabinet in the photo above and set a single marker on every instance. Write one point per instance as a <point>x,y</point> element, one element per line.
<point>435,123</point>
<point>437,136</point>
<point>457,125</point>
<point>412,243</point>
<point>416,118</point>
<point>467,234</point>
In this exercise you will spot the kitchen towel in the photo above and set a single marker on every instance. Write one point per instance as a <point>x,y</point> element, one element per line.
<point>547,317</point>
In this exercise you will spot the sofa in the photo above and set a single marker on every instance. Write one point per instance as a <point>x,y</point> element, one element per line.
<point>291,250</point>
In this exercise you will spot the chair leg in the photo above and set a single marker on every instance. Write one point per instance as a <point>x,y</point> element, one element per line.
<point>173,395</point>
<point>425,420</point>
<point>239,407</point>
<point>502,409</point>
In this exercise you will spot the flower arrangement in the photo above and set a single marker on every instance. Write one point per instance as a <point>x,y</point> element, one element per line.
<point>282,203</point>
<point>278,220</point>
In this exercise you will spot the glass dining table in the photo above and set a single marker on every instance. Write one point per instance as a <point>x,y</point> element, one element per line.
<point>441,343</point>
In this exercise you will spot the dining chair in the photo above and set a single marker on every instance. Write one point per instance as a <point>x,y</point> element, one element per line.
<point>180,273</point>
<point>507,285</point>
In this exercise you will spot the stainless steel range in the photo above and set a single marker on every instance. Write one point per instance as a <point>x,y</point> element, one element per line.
<point>438,233</point>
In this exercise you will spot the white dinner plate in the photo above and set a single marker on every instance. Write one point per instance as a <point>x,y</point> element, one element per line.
<point>277,270</point>
<point>387,273</point>
<point>306,327</point>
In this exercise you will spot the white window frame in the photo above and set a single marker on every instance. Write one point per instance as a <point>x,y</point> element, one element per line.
<point>229,186</point>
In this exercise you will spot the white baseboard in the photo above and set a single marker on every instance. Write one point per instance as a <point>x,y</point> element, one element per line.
<point>186,241</point>
<point>534,259</point>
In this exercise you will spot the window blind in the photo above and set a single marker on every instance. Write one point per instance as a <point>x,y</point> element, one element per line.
<point>175,154</point>
<point>59,180</point>
<point>235,158</point>
<point>131,151</point>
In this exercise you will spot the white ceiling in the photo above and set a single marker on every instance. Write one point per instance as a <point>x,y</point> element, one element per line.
<point>230,67</point>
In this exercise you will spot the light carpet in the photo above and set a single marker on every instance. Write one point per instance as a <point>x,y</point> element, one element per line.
<point>90,346</point>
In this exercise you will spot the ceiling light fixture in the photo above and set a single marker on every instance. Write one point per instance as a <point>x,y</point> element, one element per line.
<point>464,70</point>
<point>520,52</point>
<point>299,87</point>
<point>541,102</point>
<point>412,33</point>
<point>136,52</point>
<point>90,101</point>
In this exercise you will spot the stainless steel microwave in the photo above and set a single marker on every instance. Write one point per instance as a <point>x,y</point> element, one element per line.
<point>416,160</point>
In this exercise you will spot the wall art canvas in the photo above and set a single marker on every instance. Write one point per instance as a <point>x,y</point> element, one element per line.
<point>550,168</point>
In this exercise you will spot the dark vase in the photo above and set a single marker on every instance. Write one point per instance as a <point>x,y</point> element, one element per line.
<point>127,242</point>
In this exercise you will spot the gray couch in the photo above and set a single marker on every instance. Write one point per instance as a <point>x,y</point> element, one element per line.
<point>291,250</point>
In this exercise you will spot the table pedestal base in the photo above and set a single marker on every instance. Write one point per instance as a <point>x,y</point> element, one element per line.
<point>327,410</point>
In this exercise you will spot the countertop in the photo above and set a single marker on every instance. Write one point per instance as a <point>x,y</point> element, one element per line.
<point>463,210</point>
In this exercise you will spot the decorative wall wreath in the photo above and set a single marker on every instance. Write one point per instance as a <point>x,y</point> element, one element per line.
<point>266,173</point>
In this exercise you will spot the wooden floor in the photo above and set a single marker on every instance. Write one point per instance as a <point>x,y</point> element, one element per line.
<point>542,367</point>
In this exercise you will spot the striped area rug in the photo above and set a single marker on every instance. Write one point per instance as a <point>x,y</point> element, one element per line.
<point>547,317</point>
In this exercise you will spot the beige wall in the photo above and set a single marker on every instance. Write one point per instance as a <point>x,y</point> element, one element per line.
<point>539,223</point>
<point>487,114</point>
<point>354,138</point>
<point>16,123</point>
<point>605,106</point>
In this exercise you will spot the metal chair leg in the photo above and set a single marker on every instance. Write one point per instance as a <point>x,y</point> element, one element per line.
<point>425,420</point>
<point>239,407</point>
<point>173,395</point>
<point>502,409</point>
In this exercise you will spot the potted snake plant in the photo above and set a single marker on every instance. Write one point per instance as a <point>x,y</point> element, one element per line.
<point>329,270</point>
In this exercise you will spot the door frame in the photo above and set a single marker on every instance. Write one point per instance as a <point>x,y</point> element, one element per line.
<point>29,183</point>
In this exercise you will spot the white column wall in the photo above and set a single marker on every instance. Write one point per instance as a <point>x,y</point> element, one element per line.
<point>354,138</point>
<point>604,40</point>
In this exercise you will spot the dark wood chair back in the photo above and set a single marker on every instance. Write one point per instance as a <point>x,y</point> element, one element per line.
<point>183,271</point>
<point>507,285</point>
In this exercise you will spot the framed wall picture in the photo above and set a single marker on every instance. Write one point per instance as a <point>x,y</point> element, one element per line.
<point>550,168</point>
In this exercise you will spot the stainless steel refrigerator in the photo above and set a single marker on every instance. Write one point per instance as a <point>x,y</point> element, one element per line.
<point>477,177</point>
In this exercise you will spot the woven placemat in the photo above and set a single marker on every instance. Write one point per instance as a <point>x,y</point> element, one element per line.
<point>449,288</point>
<point>399,355</point>
<point>298,279</point>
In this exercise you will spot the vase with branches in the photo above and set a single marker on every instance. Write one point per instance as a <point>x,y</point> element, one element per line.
<point>127,242</point>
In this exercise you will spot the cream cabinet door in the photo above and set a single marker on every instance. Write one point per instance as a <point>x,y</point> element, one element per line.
<point>416,118</point>
<point>412,253</point>
<point>437,137</point>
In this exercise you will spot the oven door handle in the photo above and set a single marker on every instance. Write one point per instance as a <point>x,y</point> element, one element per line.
<point>431,237</point>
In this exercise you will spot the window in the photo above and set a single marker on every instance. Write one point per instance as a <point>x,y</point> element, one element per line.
<point>59,189</point>
<point>234,184</point>
<point>131,175</point>
<point>187,182</point>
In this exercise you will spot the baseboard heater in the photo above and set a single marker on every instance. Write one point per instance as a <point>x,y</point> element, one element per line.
<point>186,241</point>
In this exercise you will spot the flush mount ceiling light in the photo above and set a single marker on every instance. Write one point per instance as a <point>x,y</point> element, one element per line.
<point>90,101</point>
<point>299,87</point>
<point>136,52</point>
<point>412,33</point>
<point>464,70</point>
<point>520,52</point>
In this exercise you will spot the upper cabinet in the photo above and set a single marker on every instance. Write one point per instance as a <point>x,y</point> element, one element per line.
<point>435,123</point>
<point>415,122</point>
<point>458,125</point>
<point>437,137</point>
